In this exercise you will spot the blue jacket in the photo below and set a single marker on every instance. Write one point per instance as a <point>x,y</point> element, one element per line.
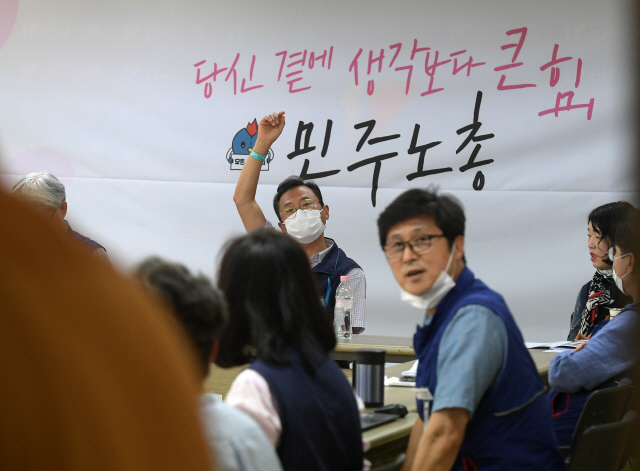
<point>328,272</point>
<point>319,416</point>
<point>611,354</point>
<point>509,429</point>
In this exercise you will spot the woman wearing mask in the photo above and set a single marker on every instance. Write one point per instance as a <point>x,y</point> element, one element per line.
<point>612,352</point>
<point>292,388</point>
<point>600,294</point>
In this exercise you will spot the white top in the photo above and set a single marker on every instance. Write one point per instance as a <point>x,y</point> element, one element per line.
<point>237,441</point>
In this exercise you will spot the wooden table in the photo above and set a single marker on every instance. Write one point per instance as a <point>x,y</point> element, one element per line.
<point>542,361</point>
<point>219,379</point>
<point>399,349</point>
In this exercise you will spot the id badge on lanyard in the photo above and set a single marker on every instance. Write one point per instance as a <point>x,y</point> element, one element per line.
<point>426,397</point>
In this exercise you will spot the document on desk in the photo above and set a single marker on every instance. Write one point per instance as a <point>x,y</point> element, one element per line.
<point>408,378</point>
<point>411,372</point>
<point>554,346</point>
<point>401,382</point>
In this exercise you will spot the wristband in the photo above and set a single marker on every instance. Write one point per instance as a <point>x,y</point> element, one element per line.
<point>257,156</point>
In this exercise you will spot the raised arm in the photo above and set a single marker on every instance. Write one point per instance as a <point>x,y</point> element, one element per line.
<point>269,129</point>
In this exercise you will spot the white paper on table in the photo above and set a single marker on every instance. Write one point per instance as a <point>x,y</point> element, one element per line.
<point>555,346</point>
<point>395,381</point>
<point>411,372</point>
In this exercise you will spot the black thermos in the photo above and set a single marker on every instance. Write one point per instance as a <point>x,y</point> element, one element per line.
<point>368,376</point>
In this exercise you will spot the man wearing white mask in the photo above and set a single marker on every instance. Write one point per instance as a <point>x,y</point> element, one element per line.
<point>480,400</point>
<point>302,215</point>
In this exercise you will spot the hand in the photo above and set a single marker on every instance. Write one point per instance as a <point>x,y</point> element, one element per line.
<point>579,347</point>
<point>581,337</point>
<point>269,129</point>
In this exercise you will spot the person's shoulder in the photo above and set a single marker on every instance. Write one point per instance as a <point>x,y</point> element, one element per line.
<point>237,439</point>
<point>474,310</point>
<point>226,418</point>
<point>628,318</point>
<point>351,262</point>
<point>474,320</point>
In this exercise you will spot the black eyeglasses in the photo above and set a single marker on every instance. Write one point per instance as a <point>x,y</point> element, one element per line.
<point>418,244</point>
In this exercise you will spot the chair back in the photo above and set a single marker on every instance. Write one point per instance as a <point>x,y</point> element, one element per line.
<point>601,447</point>
<point>604,406</point>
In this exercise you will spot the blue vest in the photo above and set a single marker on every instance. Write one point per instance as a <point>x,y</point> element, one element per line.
<point>328,272</point>
<point>510,428</point>
<point>319,416</point>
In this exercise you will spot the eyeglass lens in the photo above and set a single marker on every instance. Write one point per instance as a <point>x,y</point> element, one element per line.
<point>305,205</point>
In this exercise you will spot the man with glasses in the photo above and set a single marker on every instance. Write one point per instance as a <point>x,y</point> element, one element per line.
<point>302,215</point>
<point>477,388</point>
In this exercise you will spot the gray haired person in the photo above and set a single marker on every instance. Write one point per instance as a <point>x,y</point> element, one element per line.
<point>47,193</point>
<point>238,442</point>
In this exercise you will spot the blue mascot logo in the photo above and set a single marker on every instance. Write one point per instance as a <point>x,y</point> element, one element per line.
<point>243,142</point>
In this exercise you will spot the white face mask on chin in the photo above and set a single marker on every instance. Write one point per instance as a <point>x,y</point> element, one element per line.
<point>440,288</point>
<point>305,226</point>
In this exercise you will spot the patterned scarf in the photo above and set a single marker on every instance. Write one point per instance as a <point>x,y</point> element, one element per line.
<point>599,295</point>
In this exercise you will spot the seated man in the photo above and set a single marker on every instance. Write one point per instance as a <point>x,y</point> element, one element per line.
<point>48,193</point>
<point>236,440</point>
<point>302,215</point>
<point>487,411</point>
<point>612,353</point>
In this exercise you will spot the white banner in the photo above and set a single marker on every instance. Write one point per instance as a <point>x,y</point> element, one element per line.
<point>145,110</point>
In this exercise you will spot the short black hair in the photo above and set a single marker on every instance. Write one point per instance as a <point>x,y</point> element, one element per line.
<point>273,303</point>
<point>627,235</point>
<point>197,305</point>
<point>292,182</point>
<point>446,211</point>
<point>606,218</point>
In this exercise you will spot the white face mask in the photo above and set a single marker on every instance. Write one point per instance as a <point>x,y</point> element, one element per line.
<point>443,284</point>
<point>618,279</point>
<point>305,226</point>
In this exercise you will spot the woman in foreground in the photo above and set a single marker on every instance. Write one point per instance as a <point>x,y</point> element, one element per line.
<point>292,388</point>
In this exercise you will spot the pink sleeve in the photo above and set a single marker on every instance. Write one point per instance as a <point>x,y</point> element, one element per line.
<point>251,394</point>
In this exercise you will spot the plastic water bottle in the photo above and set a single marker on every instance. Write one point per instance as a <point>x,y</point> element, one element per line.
<point>342,314</point>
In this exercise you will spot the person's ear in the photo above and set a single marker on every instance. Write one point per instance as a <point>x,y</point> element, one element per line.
<point>282,227</point>
<point>458,248</point>
<point>326,211</point>
<point>632,263</point>
<point>63,208</point>
<point>215,349</point>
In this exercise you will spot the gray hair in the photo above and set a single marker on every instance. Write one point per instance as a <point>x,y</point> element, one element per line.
<point>42,189</point>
